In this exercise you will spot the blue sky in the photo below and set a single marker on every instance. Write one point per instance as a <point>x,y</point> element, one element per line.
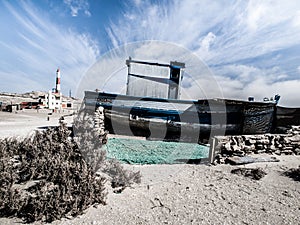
<point>251,47</point>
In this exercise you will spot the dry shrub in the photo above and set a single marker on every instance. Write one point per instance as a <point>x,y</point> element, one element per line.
<point>45,177</point>
<point>293,173</point>
<point>90,141</point>
<point>51,175</point>
<point>121,178</point>
<point>255,174</point>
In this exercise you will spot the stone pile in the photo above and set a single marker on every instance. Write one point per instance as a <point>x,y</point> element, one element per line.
<point>99,124</point>
<point>242,145</point>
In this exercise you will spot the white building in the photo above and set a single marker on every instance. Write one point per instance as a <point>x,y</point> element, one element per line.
<point>53,100</point>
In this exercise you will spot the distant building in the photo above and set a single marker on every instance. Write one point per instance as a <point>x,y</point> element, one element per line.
<point>53,100</point>
<point>12,107</point>
<point>50,100</point>
<point>30,105</point>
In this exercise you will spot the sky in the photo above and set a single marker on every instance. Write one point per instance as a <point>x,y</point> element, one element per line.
<point>250,48</point>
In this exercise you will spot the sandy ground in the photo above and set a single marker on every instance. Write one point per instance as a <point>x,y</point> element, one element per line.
<point>24,122</point>
<point>190,194</point>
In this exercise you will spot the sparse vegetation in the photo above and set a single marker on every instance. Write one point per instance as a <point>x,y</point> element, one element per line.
<point>253,173</point>
<point>50,175</point>
<point>293,173</point>
<point>90,140</point>
<point>121,178</point>
<point>45,177</point>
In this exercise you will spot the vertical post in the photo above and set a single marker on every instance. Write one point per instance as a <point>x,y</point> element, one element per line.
<point>128,61</point>
<point>212,147</point>
<point>176,69</point>
<point>179,84</point>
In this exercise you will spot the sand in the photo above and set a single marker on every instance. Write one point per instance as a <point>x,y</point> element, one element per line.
<point>191,194</point>
<point>22,123</point>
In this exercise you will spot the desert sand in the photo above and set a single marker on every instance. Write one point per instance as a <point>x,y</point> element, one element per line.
<point>22,123</point>
<point>184,194</point>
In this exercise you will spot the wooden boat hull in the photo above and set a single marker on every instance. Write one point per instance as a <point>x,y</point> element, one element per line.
<point>287,117</point>
<point>183,119</point>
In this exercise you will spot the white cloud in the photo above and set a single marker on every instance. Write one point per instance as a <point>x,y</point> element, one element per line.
<point>237,89</point>
<point>242,29</point>
<point>40,46</point>
<point>296,19</point>
<point>113,66</point>
<point>247,74</point>
<point>228,36</point>
<point>206,42</point>
<point>240,82</point>
<point>78,5</point>
<point>264,14</point>
<point>255,13</point>
<point>137,2</point>
<point>247,44</point>
<point>288,90</point>
<point>169,21</point>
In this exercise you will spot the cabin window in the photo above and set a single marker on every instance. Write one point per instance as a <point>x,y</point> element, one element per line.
<point>175,72</point>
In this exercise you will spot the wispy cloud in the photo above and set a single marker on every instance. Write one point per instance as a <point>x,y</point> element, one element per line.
<point>245,43</point>
<point>251,47</point>
<point>76,6</point>
<point>38,47</point>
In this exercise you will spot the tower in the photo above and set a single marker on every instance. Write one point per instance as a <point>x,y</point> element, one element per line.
<point>57,88</point>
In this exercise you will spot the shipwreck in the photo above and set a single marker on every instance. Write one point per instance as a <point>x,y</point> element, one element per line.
<point>152,108</point>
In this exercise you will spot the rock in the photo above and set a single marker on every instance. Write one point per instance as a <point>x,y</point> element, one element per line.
<point>261,151</point>
<point>255,174</point>
<point>295,138</point>
<point>286,140</point>
<point>233,141</point>
<point>238,153</point>
<point>295,129</point>
<point>259,147</point>
<point>239,139</point>
<point>248,159</point>
<point>222,160</point>
<point>263,141</point>
<point>247,149</point>
<point>297,151</point>
<point>269,143</point>
<point>272,148</point>
<point>252,147</point>
<point>227,146</point>
<point>277,152</point>
<point>236,148</point>
<point>287,152</point>
<point>251,141</point>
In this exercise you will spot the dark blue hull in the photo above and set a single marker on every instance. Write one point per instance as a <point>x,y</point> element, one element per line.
<point>198,119</point>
